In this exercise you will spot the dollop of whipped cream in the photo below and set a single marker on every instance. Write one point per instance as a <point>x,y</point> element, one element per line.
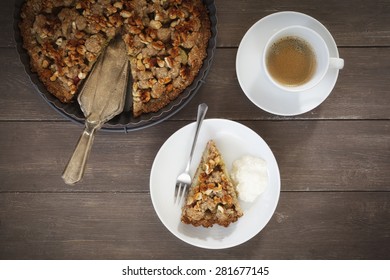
<point>250,174</point>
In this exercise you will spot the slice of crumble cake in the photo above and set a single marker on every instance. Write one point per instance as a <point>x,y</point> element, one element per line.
<point>212,197</point>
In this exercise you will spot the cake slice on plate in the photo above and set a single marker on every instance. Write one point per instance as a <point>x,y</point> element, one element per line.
<point>212,197</point>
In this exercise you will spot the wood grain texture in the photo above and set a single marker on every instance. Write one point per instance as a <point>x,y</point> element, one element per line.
<point>312,156</point>
<point>334,161</point>
<point>125,226</point>
<point>361,91</point>
<point>352,23</point>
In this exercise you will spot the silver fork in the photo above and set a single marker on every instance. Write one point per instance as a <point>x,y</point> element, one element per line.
<point>183,181</point>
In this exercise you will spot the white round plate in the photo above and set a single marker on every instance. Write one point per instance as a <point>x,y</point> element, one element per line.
<point>252,78</point>
<point>233,140</point>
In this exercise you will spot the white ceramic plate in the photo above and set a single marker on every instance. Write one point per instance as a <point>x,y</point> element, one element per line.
<point>253,80</point>
<point>234,140</point>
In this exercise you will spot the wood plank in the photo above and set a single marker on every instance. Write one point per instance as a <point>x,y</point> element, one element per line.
<point>361,23</point>
<point>352,23</point>
<point>33,159</point>
<point>312,156</point>
<point>361,91</point>
<point>334,161</point>
<point>7,8</point>
<point>325,225</point>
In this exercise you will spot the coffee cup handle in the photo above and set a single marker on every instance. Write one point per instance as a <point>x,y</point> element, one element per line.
<point>335,62</point>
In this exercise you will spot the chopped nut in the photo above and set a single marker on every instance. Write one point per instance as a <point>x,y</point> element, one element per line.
<point>140,65</point>
<point>184,72</point>
<point>160,62</point>
<point>111,9</point>
<point>79,34</point>
<point>174,23</point>
<point>62,71</point>
<point>169,61</point>
<point>150,62</point>
<point>158,45</point>
<point>45,63</point>
<point>82,76</point>
<point>208,191</point>
<point>165,80</point>
<point>90,56</point>
<point>227,199</point>
<point>155,24</point>
<point>118,5</point>
<point>152,33</point>
<point>169,87</point>
<point>145,96</point>
<point>183,56</point>
<point>73,89</point>
<point>142,38</point>
<point>218,188</point>
<point>163,34</point>
<point>190,200</point>
<point>172,13</point>
<point>138,21</point>
<point>207,169</point>
<point>81,49</point>
<point>152,82</point>
<point>59,41</point>
<point>115,20</point>
<point>198,196</point>
<point>134,30</point>
<point>149,39</point>
<point>54,76</point>
<point>125,14</point>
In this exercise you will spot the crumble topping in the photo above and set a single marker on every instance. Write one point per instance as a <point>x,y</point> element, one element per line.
<point>166,41</point>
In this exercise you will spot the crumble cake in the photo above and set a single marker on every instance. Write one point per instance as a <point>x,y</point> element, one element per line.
<point>212,197</point>
<point>166,42</point>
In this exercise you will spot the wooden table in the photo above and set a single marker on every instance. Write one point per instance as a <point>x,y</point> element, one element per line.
<point>334,160</point>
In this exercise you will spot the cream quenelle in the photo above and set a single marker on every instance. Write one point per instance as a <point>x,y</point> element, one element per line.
<point>250,174</point>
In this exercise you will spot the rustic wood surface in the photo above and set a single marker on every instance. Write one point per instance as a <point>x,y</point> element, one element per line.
<point>334,160</point>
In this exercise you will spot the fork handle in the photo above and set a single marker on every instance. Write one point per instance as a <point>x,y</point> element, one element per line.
<point>202,110</point>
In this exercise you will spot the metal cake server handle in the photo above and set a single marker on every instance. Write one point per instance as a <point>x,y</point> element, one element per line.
<point>75,168</point>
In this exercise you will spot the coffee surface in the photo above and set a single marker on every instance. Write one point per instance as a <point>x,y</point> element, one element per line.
<point>291,61</point>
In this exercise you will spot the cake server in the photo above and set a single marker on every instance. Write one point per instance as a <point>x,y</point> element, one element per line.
<point>101,98</point>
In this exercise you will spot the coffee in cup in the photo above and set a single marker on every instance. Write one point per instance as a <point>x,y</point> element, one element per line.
<point>297,58</point>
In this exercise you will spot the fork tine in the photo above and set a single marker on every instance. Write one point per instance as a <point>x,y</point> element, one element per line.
<point>183,193</point>
<point>178,192</point>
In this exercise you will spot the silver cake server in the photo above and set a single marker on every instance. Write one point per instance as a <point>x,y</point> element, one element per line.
<point>101,98</point>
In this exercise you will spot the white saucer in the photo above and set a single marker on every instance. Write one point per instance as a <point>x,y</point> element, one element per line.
<point>252,78</point>
<point>233,140</point>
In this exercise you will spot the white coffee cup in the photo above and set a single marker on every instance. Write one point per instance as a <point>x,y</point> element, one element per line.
<point>323,61</point>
